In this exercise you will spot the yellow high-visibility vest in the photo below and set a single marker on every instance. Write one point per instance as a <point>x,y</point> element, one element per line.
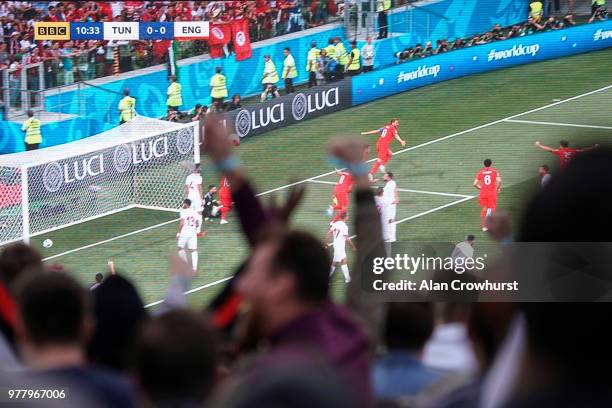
<point>355,63</point>
<point>289,65</point>
<point>270,74</point>
<point>383,5</point>
<point>219,87</point>
<point>174,95</point>
<point>126,109</point>
<point>536,9</point>
<point>331,51</point>
<point>341,55</point>
<point>32,129</point>
<point>311,60</point>
<point>599,2</point>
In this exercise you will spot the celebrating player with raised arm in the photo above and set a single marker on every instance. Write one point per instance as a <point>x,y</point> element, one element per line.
<point>339,232</point>
<point>187,234</point>
<point>489,182</point>
<point>564,152</point>
<point>387,134</point>
<point>193,191</point>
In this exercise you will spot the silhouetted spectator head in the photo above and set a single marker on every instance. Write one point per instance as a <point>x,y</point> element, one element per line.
<point>572,208</point>
<point>280,388</point>
<point>15,259</point>
<point>176,358</point>
<point>218,70</point>
<point>407,326</point>
<point>287,273</point>
<point>119,311</point>
<point>54,311</point>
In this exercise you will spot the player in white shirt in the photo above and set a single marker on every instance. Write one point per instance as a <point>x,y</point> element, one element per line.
<point>390,200</point>
<point>193,191</point>
<point>339,232</point>
<point>187,234</point>
<point>380,206</point>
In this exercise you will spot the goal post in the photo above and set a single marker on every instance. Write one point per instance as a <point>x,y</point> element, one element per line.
<point>142,163</point>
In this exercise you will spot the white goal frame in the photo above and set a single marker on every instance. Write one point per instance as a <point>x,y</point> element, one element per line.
<point>128,134</point>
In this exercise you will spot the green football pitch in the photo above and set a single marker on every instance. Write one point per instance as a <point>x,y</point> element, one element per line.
<point>450,129</point>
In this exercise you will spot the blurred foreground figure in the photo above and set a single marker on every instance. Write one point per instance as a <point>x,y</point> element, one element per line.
<point>562,360</point>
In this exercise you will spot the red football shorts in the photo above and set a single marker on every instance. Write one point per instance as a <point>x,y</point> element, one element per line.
<point>488,201</point>
<point>341,200</point>
<point>226,199</point>
<point>384,155</point>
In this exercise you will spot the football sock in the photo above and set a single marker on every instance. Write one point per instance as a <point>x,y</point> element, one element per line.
<point>345,272</point>
<point>182,255</point>
<point>194,260</point>
<point>199,228</point>
<point>332,270</point>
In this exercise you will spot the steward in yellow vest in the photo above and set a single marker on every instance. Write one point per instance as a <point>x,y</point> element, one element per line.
<point>270,76</point>
<point>535,10</point>
<point>218,86</point>
<point>331,50</point>
<point>31,127</point>
<point>311,64</point>
<point>289,70</point>
<point>174,94</point>
<point>127,107</point>
<point>354,64</point>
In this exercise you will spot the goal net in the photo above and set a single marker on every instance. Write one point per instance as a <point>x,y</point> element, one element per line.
<point>142,163</point>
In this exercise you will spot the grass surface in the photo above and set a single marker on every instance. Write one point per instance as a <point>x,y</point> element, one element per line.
<point>448,166</point>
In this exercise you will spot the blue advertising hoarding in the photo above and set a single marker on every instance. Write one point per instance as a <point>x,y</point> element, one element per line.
<point>481,58</point>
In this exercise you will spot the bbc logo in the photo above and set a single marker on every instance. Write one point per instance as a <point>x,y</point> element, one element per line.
<point>51,31</point>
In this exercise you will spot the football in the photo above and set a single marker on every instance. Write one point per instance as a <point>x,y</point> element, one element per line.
<point>47,243</point>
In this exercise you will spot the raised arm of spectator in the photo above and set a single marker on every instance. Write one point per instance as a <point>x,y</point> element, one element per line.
<point>369,241</point>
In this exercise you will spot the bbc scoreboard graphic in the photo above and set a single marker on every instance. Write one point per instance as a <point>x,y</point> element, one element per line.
<point>62,31</point>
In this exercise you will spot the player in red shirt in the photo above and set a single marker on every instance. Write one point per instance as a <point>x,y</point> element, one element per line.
<point>488,181</point>
<point>565,153</point>
<point>342,189</point>
<point>387,134</point>
<point>225,195</point>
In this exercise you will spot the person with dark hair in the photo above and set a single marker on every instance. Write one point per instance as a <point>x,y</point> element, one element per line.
<point>98,282</point>
<point>118,312</point>
<point>544,172</point>
<point>55,323</point>
<point>488,182</point>
<point>209,202</point>
<point>175,359</point>
<point>287,283</point>
<point>400,372</point>
<point>16,261</point>
<point>234,104</point>
<point>564,152</point>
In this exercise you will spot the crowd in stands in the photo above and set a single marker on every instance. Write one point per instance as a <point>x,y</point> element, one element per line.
<point>84,60</point>
<point>292,346</point>
<point>536,23</point>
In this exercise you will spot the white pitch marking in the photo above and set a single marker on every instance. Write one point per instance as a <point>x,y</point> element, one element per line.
<point>534,122</point>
